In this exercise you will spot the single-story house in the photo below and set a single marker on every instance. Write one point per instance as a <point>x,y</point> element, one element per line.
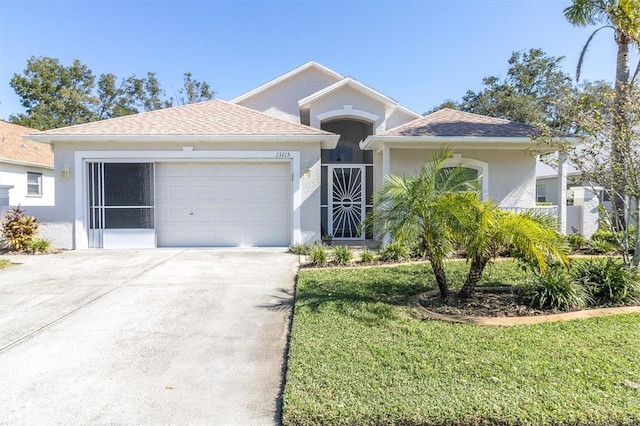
<point>295,158</point>
<point>26,168</point>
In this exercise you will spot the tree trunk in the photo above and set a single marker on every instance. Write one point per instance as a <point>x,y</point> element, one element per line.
<point>473,277</point>
<point>620,130</point>
<point>441,277</point>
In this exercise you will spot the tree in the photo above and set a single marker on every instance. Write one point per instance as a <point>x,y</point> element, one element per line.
<point>526,95</point>
<point>193,91</point>
<point>623,17</point>
<point>530,236</point>
<point>601,171</point>
<point>56,96</point>
<point>424,208</point>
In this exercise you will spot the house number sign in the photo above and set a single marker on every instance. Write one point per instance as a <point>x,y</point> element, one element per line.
<point>283,154</point>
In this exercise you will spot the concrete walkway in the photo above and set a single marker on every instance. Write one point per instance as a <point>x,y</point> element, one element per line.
<point>144,337</point>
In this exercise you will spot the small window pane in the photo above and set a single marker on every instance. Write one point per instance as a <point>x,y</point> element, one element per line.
<point>135,218</point>
<point>128,184</point>
<point>34,184</point>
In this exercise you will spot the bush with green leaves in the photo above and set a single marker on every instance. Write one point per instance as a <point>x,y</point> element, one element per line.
<point>18,229</point>
<point>394,252</point>
<point>576,242</point>
<point>342,255</point>
<point>39,245</point>
<point>607,280</point>
<point>604,235</point>
<point>602,246</point>
<point>319,255</point>
<point>556,289</point>
<point>367,256</point>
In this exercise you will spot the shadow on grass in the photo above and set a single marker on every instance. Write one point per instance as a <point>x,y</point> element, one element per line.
<point>366,294</point>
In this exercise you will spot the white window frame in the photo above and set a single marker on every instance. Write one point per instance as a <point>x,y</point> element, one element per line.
<point>542,193</point>
<point>38,175</point>
<point>483,171</point>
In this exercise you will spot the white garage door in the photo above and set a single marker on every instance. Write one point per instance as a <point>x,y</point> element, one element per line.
<point>223,204</point>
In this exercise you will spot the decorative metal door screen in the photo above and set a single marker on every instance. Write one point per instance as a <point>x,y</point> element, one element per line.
<point>347,204</point>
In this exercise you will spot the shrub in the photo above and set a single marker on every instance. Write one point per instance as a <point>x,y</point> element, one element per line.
<point>318,255</point>
<point>303,249</point>
<point>367,256</point>
<point>607,280</point>
<point>394,252</point>
<point>576,241</point>
<point>39,245</point>
<point>342,255</point>
<point>602,246</point>
<point>18,229</point>
<point>604,235</point>
<point>556,289</point>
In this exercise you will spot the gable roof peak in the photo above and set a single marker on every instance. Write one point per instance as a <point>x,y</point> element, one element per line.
<point>311,64</point>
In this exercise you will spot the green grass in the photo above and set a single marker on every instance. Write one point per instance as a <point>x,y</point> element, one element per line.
<point>4,263</point>
<point>359,357</point>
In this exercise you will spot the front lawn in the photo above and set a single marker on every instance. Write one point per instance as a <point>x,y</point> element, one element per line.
<point>359,356</point>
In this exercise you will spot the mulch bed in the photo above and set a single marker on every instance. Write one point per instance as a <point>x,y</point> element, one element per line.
<point>489,302</point>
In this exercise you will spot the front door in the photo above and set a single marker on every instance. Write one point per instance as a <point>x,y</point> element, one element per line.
<point>347,203</point>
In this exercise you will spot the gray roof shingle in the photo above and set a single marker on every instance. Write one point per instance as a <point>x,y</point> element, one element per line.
<point>214,117</point>
<point>449,122</point>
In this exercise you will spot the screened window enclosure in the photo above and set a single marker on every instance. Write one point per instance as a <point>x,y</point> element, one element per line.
<point>120,197</point>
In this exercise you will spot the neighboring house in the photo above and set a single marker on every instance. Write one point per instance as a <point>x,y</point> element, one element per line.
<point>582,200</point>
<point>298,157</point>
<point>25,166</point>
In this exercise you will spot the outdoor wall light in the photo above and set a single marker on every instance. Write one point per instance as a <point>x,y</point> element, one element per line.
<point>65,173</point>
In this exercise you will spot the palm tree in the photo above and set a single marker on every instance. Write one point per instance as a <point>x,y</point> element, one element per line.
<point>623,17</point>
<point>424,209</point>
<point>530,236</point>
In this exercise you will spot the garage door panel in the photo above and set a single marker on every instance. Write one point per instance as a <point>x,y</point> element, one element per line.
<point>223,204</point>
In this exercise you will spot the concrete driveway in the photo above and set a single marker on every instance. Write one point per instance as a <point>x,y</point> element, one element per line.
<point>144,337</point>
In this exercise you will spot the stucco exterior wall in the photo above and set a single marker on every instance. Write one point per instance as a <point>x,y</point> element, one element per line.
<point>16,175</point>
<point>66,198</point>
<point>281,100</point>
<point>511,180</point>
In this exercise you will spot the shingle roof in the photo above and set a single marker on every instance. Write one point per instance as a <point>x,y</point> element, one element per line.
<point>214,117</point>
<point>14,148</point>
<point>449,122</point>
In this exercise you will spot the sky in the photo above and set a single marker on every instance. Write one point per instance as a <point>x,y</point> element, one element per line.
<point>417,52</point>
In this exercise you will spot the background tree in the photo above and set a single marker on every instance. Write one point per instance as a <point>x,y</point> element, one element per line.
<point>55,95</point>
<point>623,17</point>
<point>534,79</point>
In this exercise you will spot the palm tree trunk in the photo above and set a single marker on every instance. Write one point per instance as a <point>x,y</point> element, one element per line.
<point>473,277</point>
<point>620,130</point>
<point>441,276</point>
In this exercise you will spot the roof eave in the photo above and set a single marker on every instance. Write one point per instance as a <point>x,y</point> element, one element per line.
<point>378,142</point>
<point>26,163</point>
<point>328,141</point>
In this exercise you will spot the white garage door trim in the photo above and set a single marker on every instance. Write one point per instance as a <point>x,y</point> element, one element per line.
<point>186,155</point>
